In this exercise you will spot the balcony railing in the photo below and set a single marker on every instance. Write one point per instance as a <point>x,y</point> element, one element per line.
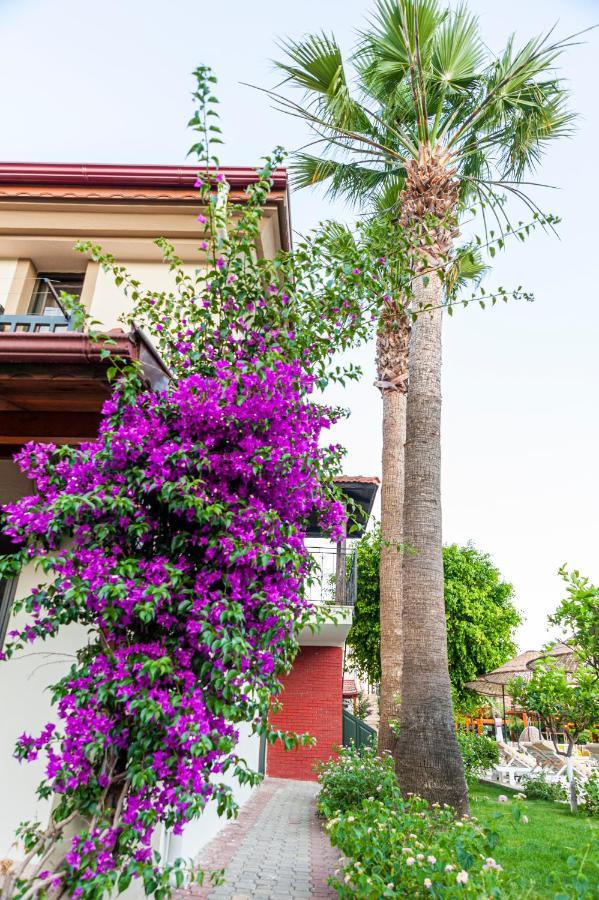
<point>34,324</point>
<point>47,310</point>
<point>334,576</point>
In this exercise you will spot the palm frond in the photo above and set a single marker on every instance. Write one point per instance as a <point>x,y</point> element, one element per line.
<point>467,267</point>
<point>458,54</point>
<point>397,47</point>
<point>351,180</point>
<point>539,121</point>
<point>513,78</point>
<point>386,202</point>
<point>315,64</point>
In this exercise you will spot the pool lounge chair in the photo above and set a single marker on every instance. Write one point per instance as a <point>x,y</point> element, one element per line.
<point>593,751</point>
<point>553,764</point>
<point>514,765</point>
<point>550,763</point>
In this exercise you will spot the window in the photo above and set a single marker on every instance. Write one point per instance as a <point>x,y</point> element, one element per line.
<point>46,292</point>
<point>7,589</point>
<point>7,593</point>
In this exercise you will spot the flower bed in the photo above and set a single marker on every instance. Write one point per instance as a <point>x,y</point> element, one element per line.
<point>400,847</point>
<point>406,848</point>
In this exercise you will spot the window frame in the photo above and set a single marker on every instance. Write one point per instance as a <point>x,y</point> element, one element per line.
<point>8,587</point>
<point>50,277</point>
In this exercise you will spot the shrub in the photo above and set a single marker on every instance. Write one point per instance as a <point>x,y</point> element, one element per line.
<point>363,708</point>
<point>352,778</point>
<point>479,752</point>
<point>405,848</point>
<point>536,787</point>
<point>591,795</point>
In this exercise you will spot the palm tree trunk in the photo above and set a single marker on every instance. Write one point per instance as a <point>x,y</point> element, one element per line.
<point>392,362</point>
<point>429,762</point>
<point>394,430</point>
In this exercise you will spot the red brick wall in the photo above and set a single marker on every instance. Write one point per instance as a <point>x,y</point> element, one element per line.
<point>312,701</point>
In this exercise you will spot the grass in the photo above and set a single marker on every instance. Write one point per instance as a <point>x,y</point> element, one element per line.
<point>535,855</point>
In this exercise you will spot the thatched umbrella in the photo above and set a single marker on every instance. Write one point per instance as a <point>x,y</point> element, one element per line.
<point>563,654</point>
<point>493,683</point>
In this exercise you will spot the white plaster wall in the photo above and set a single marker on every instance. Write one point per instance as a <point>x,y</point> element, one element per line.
<point>198,833</point>
<point>109,301</point>
<point>24,696</point>
<point>7,271</point>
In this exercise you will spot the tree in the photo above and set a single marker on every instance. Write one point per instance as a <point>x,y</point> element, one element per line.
<point>565,702</point>
<point>578,613</point>
<point>480,613</point>
<point>437,122</point>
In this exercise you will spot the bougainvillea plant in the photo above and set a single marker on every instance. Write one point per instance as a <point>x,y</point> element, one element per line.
<point>174,540</point>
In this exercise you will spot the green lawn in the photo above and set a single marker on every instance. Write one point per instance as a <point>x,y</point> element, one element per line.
<point>536,855</point>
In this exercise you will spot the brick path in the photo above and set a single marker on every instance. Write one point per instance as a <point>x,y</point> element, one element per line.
<point>275,850</point>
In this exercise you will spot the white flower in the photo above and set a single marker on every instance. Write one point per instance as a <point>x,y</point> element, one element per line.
<point>449,868</point>
<point>462,877</point>
<point>428,883</point>
<point>502,798</point>
<point>431,859</point>
<point>371,799</point>
<point>460,824</point>
<point>369,830</point>
<point>491,864</point>
<point>350,819</point>
<point>379,787</point>
<point>420,856</point>
<point>524,820</point>
<point>406,849</point>
<point>390,886</point>
<point>410,861</point>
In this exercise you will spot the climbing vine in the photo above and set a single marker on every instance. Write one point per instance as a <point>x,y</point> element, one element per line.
<point>174,540</point>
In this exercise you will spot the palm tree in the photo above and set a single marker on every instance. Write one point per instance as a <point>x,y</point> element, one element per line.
<point>447,125</point>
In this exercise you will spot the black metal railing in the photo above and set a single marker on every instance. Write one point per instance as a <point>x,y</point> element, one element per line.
<point>34,324</point>
<point>47,310</point>
<point>334,577</point>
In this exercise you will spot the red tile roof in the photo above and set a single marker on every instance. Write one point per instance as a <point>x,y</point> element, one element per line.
<point>356,479</point>
<point>349,688</point>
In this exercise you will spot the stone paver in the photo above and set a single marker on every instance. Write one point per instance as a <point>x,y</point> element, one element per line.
<point>275,850</point>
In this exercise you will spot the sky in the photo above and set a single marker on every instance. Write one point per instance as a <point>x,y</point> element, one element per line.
<point>110,83</point>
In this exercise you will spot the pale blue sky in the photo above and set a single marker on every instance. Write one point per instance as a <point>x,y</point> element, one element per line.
<point>109,82</point>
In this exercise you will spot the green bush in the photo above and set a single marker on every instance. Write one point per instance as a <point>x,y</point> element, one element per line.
<point>591,795</point>
<point>363,708</point>
<point>479,752</point>
<point>353,777</point>
<point>404,848</point>
<point>536,787</point>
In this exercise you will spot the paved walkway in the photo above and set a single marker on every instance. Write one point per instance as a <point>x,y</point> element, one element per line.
<point>275,850</point>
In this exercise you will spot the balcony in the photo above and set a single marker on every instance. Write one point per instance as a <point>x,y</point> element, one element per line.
<point>34,324</point>
<point>334,576</point>
<point>46,311</point>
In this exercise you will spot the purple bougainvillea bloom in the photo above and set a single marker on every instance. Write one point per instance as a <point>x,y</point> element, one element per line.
<point>185,556</point>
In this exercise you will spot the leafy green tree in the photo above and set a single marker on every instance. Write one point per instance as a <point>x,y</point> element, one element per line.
<point>566,703</point>
<point>434,124</point>
<point>481,616</point>
<point>480,612</point>
<point>578,614</point>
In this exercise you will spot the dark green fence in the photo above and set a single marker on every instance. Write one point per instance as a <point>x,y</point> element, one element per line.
<point>356,732</point>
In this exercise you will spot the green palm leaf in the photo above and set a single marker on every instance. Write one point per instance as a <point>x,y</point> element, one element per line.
<point>458,53</point>
<point>349,180</point>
